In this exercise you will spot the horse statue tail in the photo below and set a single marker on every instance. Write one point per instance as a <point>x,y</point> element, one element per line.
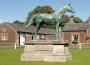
<point>30,22</point>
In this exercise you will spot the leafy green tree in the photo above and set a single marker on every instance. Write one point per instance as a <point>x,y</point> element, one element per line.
<point>77,20</point>
<point>18,22</point>
<point>66,19</point>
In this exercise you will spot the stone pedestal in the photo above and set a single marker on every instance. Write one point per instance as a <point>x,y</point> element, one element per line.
<point>51,51</point>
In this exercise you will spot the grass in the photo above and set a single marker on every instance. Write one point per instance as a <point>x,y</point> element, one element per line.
<point>12,57</point>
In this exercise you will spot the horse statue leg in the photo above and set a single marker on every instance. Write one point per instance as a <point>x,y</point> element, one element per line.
<point>57,31</point>
<point>60,33</point>
<point>37,29</point>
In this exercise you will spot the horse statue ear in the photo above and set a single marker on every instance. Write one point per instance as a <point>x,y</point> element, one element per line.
<point>69,4</point>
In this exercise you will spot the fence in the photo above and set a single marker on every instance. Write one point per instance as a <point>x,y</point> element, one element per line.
<point>22,47</point>
<point>11,47</point>
<point>84,46</point>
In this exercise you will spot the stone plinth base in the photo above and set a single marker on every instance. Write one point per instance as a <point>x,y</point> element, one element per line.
<point>51,51</point>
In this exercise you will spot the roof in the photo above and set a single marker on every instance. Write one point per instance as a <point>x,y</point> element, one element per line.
<point>31,29</point>
<point>76,27</point>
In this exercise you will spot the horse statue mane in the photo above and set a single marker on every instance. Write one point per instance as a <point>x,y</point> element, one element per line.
<point>50,19</point>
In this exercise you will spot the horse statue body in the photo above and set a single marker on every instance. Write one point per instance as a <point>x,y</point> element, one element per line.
<point>50,19</point>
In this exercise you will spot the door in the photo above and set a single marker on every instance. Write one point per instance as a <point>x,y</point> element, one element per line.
<point>22,39</point>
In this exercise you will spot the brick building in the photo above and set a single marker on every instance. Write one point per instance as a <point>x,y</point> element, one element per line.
<point>16,33</point>
<point>77,32</point>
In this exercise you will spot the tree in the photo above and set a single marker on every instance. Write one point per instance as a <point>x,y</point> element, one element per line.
<point>66,19</point>
<point>39,9</point>
<point>18,22</point>
<point>77,20</point>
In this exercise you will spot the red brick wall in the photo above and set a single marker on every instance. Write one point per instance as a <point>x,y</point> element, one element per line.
<point>88,36</point>
<point>50,37</point>
<point>81,35</point>
<point>10,32</point>
<point>28,37</point>
<point>16,38</point>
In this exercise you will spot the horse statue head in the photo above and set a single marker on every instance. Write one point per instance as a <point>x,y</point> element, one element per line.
<point>65,8</point>
<point>69,8</point>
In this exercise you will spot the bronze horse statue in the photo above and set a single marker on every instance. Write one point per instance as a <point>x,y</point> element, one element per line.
<point>50,19</point>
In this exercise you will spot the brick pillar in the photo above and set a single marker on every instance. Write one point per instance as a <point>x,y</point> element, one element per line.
<point>16,38</point>
<point>87,34</point>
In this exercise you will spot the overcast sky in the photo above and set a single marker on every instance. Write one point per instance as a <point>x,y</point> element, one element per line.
<point>11,10</point>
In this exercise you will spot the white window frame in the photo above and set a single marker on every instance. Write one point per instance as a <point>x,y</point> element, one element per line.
<point>4,37</point>
<point>73,36</point>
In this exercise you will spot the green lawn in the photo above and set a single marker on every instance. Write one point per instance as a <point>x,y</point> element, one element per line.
<point>12,57</point>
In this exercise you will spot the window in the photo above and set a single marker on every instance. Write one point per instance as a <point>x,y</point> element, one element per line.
<point>4,37</point>
<point>33,37</point>
<point>38,37</point>
<point>42,36</point>
<point>75,38</point>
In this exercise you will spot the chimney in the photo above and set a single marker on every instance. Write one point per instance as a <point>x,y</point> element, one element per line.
<point>71,19</point>
<point>88,21</point>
